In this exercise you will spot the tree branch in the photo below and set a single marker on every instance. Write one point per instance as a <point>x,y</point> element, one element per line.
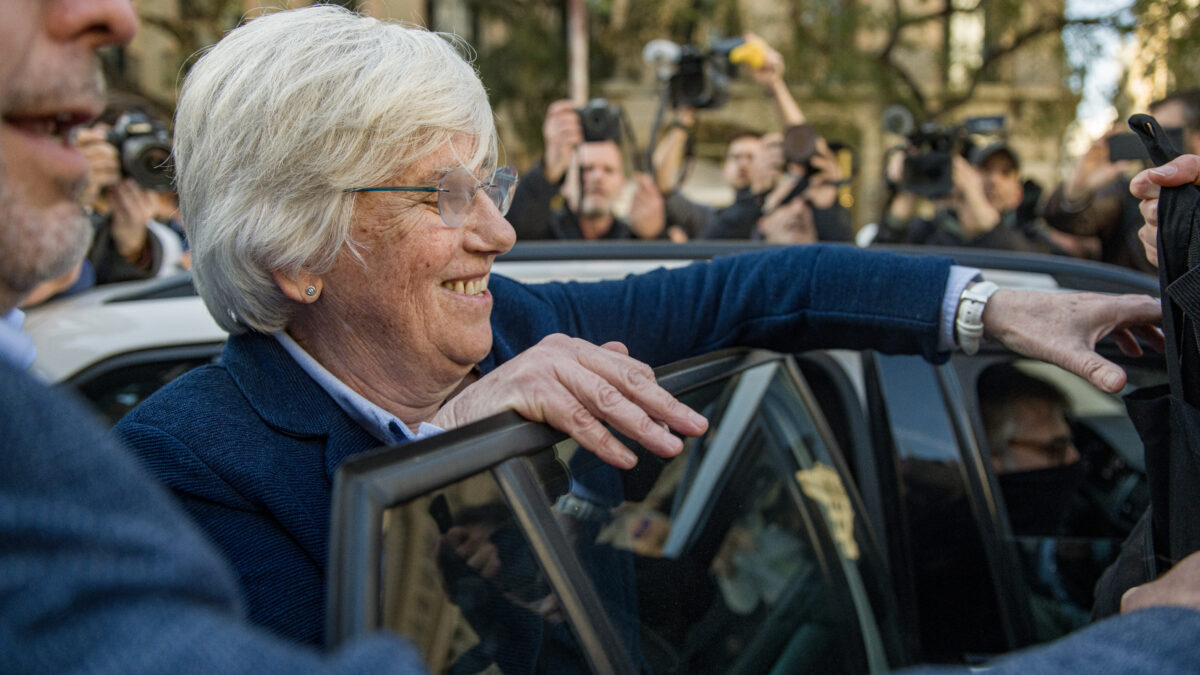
<point>995,53</point>
<point>181,37</point>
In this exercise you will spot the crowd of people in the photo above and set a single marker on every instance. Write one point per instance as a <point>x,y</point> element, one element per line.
<point>785,185</point>
<point>338,183</point>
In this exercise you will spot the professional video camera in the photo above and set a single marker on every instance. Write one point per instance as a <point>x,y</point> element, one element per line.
<point>144,148</point>
<point>601,121</point>
<point>928,166</point>
<point>698,77</point>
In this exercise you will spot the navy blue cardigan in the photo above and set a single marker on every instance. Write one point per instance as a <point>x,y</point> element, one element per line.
<point>250,446</point>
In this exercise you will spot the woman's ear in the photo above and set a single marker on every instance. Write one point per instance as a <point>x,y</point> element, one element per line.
<point>302,286</point>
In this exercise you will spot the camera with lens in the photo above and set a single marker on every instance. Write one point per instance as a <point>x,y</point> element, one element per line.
<point>601,121</point>
<point>800,144</point>
<point>144,150</point>
<point>697,77</point>
<point>928,166</point>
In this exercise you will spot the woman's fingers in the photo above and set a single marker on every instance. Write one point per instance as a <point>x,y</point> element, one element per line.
<point>578,387</point>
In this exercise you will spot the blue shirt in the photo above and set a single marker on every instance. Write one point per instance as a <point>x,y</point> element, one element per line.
<point>16,347</point>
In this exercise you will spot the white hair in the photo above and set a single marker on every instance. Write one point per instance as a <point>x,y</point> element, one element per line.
<point>286,112</point>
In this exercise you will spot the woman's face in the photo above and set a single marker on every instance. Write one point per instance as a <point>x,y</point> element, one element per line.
<point>423,291</point>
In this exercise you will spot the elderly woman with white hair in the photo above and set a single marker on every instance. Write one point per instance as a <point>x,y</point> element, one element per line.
<point>338,186</point>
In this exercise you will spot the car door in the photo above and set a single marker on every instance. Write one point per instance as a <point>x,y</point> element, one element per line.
<point>503,545</point>
<point>956,582</point>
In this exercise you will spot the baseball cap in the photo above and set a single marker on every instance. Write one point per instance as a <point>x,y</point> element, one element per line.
<point>981,155</point>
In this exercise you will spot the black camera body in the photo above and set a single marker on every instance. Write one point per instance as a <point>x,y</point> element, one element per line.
<point>929,167</point>
<point>701,79</point>
<point>601,121</point>
<point>144,150</point>
<point>928,170</point>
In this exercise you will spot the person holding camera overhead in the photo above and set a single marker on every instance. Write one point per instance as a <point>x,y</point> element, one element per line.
<point>775,198</point>
<point>125,151</point>
<point>1094,207</point>
<point>601,181</point>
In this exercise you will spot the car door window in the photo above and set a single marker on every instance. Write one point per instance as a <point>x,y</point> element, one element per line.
<point>745,553</point>
<point>117,385</point>
<point>743,549</point>
<point>1066,522</point>
<point>460,580</point>
<point>950,551</point>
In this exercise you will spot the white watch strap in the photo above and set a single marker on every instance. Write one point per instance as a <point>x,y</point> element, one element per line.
<point>968,322</point>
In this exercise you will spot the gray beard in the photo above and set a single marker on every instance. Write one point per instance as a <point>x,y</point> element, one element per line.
<point>592,207</point>
<point>36,245</point>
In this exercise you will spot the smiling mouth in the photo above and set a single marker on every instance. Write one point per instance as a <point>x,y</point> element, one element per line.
<point>475,287</point>
<point>60,127</point>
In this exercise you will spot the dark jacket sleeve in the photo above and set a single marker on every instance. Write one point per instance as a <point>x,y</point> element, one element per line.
<point>833,224</point>
<point>111,266</point>
<point>736,221</point>
<point>1112,215</point>
<point>1160,641</point>
<point>530,211</point>
<point>788,299</point>
<point>1097,216</point>
<point>946,230</point>
<point>687,215</point>
<point>100,571</point>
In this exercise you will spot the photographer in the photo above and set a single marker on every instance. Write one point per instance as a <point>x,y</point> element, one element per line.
<point>602,180</point>
<point>1094,205</point>
<point>128,243</point>
<point>986,207</point>
<point>801,207</point>
<point>754,166</point>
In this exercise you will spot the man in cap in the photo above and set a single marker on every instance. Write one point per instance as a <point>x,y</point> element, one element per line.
<point>988,206</point>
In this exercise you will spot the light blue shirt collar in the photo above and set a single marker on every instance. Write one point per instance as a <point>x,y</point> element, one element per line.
<point>15,346</point>
<point>381,424</point>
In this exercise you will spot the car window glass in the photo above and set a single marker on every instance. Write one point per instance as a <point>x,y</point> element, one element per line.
<point>954,583</point>
<point>739,555</point>
<point>1067,522</point>
<point>745,553</point>
<point>460,582</point>
<point>114,392</point>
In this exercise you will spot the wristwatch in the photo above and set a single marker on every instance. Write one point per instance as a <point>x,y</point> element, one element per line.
<point>968,322</point>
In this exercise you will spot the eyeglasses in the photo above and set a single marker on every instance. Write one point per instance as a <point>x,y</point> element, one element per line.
<point>456,192</point>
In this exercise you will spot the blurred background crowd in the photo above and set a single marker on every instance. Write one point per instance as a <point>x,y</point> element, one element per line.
<point>934,122</point>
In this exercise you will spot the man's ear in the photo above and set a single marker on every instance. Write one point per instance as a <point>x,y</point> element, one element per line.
<point>301,286</point>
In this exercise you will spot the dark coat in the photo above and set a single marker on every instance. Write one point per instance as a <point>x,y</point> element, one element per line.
<point>101,572</point>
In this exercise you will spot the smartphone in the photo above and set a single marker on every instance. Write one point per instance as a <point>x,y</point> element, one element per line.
<point>1129,146</point>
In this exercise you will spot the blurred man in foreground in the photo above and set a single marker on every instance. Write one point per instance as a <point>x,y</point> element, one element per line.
<point>98,571</point>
